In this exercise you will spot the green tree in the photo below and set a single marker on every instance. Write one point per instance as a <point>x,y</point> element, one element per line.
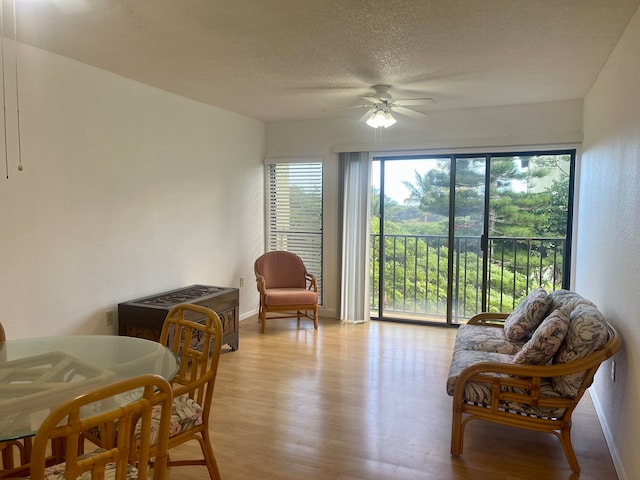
<point>430,192</point>
<point>528,199</point>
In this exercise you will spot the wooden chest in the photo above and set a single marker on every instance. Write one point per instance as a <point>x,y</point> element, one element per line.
<point>144,317</point>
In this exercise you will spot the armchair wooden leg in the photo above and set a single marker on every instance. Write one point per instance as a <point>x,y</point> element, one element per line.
<point>315,317</point>
<point>263,320</point>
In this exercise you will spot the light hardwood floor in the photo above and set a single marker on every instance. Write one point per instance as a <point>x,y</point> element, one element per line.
<point>367,401</point>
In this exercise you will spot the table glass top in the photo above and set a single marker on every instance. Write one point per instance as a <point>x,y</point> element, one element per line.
<point>36,374</point>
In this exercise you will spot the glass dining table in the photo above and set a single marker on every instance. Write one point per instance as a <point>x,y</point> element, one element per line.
<point>37,374</point>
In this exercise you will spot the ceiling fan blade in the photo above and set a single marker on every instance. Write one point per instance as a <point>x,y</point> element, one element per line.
<point>415,101</point>
<point>372,99</point>
<point>366,115</point>
<point>347,108</point>
<point>409,112</point>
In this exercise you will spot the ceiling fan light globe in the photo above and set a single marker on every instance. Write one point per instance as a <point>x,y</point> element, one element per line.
<point>377,119</point>
<point>388,120</point>
<point>371,121</point>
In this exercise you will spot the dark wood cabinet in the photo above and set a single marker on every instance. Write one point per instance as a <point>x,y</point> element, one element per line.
<point>144,317</point>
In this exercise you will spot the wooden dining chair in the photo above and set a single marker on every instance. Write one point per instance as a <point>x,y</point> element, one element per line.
<point>13,453</point>
<point>14,458</point>
<point>194,334</point>
<point>136,443</point>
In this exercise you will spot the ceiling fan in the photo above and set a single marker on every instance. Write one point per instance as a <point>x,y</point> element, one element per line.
<point>381,104</point>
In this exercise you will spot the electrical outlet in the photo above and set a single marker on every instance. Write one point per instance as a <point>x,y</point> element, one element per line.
<point>613,370</point>
<point>108,318</point>
<point>242,281</point>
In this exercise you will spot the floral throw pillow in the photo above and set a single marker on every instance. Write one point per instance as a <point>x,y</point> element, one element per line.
<point>527,316</point>
<point>546,340</point>
<point>587,332</point>
<point>564,298</point>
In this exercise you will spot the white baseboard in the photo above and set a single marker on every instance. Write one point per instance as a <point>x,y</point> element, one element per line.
<point>323,312</point>
<point>327,313</point>
<point>608,436</point>
<point>250,313</point>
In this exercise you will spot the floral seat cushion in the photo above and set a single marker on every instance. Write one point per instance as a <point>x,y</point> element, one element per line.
<point>462,359</point>
<point>185,414</point>
<point>57,472</point>
<point>479,393</point>
<point>485,338</point>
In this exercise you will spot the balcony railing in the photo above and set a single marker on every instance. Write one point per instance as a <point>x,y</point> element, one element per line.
<point>416,273</point>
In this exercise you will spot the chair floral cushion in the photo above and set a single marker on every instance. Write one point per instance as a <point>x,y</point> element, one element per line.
<point>587,332</point>
<point>527,316</point>
<point>546,339</point>
<point>185,414</point>
<point>57,472</point>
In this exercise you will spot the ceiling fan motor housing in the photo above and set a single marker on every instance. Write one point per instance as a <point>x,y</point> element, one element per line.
<point>382,92</point>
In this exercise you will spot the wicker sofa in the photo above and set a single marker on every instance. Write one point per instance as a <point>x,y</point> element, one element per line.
<point>529,369</point>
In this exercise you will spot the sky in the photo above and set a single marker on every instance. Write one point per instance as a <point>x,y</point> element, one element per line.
<point>398,170</point>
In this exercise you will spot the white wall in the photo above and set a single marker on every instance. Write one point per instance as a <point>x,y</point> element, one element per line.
<point>608,252</point>
<point>126,191</point>
<point>521,127</point>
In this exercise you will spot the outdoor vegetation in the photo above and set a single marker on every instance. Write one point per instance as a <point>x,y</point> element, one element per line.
<point>526,221</point>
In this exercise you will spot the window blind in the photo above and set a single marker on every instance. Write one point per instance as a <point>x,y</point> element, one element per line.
<point>294,211</point>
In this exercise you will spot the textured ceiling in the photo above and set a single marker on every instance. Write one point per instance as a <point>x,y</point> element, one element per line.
<point>295,59</point>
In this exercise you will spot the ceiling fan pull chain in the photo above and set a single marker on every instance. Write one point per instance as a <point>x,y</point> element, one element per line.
<point>15,46</point>
<point>4,97</point>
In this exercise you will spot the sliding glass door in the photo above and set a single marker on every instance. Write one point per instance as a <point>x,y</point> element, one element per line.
<point>453,236</point>
<point>469,215</point>
<point>409,238</point>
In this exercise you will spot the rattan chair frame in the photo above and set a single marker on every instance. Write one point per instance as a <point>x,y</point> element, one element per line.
<point>197,373</point>
<point>66,423</point>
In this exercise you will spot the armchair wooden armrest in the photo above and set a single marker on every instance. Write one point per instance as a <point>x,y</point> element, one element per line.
<point>260,284</point>
<point>312,283</point>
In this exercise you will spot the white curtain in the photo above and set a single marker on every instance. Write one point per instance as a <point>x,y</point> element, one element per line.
<point>355,172</point>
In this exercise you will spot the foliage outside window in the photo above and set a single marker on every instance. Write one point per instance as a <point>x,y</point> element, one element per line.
<point>294,212</point>
<point>519,205</point>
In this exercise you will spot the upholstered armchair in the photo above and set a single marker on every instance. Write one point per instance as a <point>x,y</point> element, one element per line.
<point>286,288</point>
